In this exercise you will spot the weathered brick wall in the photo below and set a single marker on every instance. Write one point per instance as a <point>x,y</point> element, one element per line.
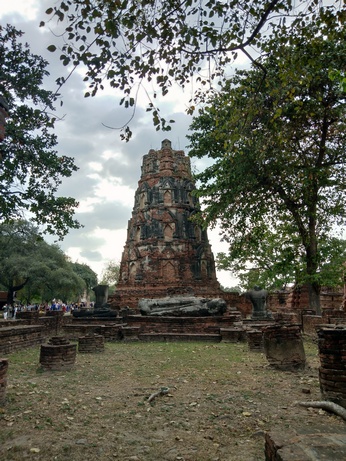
<point>75,330</point>
<point>14,338</point>
<point>331,299</point>
<point>283,346</point>
<point>241,303</point>
<point>310,322</point>
<point>31,317</point>
<point>110,330</point>
<point>334,316</point>
<point>91,343</point>
<point>200,325</point>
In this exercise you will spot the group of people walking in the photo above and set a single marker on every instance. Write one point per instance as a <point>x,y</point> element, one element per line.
<point>10,311</point>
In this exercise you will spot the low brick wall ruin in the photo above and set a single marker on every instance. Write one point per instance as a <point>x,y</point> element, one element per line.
<point>309,324</point>
<point>182,325</point>
<point>30,316</point>
<point>91,343</point>
<point>233,334</point>
<point>334,316</point>
<point>13,338</point>
<point>110,331</point>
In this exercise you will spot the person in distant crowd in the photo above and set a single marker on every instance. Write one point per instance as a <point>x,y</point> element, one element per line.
<point>5,311</point>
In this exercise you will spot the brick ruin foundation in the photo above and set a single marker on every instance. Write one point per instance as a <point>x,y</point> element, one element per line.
<point>91,343</point>
<point>57,354</point>
<point>255,340</point>
<point>284,348</point>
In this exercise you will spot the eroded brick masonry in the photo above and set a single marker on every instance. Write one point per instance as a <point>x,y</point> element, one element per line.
<point>166,253</point>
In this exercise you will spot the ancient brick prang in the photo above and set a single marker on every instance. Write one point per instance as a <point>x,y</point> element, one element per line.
<point>166,253</point>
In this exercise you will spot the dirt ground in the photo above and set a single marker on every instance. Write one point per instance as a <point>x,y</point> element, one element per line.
<point>220,401</point>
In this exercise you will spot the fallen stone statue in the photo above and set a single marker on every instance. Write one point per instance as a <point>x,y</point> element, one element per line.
<point>95,313</point>
<point>182,306</point>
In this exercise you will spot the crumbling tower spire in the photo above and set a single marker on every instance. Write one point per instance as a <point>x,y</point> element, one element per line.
<point>165,253</point>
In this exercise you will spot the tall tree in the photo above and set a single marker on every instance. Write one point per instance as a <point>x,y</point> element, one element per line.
<point>30,264</point>
<point>279,260</point>
<point>87,274</point>
<point>278,139</point>
<point>110,275</point>
<point>167,42</point>
<point>30,169</point>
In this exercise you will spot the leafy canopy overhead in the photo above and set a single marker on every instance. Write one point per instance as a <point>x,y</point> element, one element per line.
<point>278,141</point>
<point>30,168</point>
<point>277,260</point>
<point>161,43</point>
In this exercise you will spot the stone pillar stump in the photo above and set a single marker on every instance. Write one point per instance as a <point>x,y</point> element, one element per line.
<point>3,380</point>
<point>255,340</point>
<point>91,343</point>
<point>58,354</point>
<point>284,348</point>
<point>332,373</point>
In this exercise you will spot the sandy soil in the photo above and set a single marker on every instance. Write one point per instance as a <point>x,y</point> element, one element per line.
<point>217,401</point>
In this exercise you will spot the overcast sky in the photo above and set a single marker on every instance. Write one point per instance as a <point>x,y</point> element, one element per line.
<point>109,169</point>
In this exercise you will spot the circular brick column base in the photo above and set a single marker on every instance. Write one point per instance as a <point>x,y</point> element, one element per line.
<point>58,354</point>
<point>332,373</point>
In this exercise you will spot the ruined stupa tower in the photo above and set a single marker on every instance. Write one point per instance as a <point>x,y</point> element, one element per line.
<point>165,254</point>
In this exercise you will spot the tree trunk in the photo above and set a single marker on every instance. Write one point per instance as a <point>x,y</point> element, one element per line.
<point>314,297</point>
<point>12,290</point>
<point>312,268</point>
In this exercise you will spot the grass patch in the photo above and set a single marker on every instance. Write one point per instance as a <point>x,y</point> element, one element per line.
<point>220,396</point>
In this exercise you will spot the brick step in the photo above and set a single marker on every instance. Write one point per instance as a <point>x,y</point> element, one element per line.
<point>167,337</point>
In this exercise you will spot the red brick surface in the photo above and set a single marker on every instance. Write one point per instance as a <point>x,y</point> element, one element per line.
<point>165,252</point>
